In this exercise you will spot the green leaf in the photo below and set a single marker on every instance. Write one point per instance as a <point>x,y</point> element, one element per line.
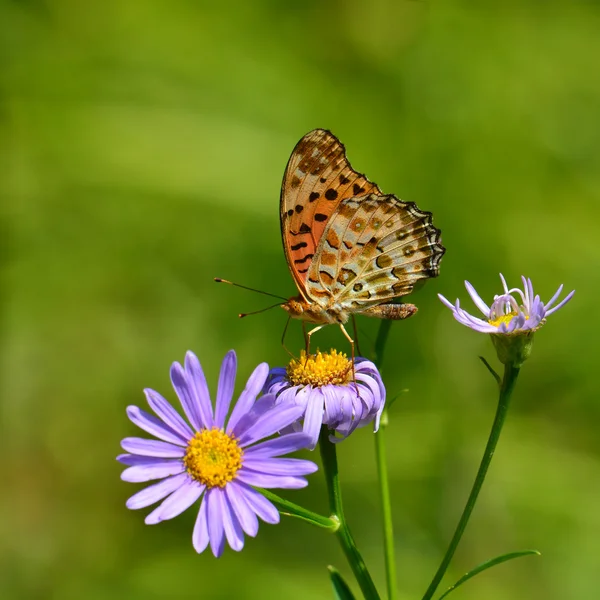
<point>491,370</point>
<point>290,509</point>
<point>340,587</point>
<point>487,565</point>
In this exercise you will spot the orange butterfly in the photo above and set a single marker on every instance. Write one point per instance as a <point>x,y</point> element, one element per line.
<point>350,247</point>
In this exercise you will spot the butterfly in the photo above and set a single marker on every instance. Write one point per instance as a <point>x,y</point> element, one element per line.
<point>351,248</point>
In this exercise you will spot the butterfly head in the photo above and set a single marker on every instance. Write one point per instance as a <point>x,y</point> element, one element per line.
<point>299,308</point>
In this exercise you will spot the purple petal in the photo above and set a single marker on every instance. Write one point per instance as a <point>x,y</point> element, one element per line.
<point>200,537</point>
<point>560,304</point>
<point>313,418</point>
<point>233,530</point>
<point>479,303</point>
<point>248,396</point>
<point>181,499</point>
<point>154,493</point>
<point>270,481</point>
<point>504,286</point>
<point>133,459</point>
<point>271,422</point>
<point>187,397</point>
<point>446,302</point>
<point>154,426</point>
<point>280,466</point>
<point>153,469</point>
<point>262,406</point>
<point>284,444</point>
<point>145,447</point>
<point>216,533</point>
<point>239,504</point>
<point>225,388</point>
<point>168,414</point>
<point>199,388</point>
<point>260,505</point>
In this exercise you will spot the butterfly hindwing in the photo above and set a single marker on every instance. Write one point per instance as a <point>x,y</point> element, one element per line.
<point>317,179</point>
<point>374,248</point>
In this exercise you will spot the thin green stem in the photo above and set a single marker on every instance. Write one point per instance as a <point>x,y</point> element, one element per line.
<point>357,564</point>
<point>508,383</point>
<point>386,508</point>
<point>382,472</point>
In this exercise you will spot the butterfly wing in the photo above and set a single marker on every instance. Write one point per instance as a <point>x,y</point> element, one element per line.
<point>374,248</point>
<point>317,179</point>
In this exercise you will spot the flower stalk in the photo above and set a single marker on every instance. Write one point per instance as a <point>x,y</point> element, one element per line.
<point>357,564</point>
<point>511,373</point>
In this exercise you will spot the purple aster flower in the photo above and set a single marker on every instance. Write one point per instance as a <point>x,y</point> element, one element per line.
<point>216,459</point>
<point>512,312</point>
<point>330,393</point>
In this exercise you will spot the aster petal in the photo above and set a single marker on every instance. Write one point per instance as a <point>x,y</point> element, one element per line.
<point>154,426</point>
<point>280,466</point>
<point>560,304</point>
<point>479,303</point>
<point>264,480</point>
<point>271,422</point>
<point>262,406</point>
<point>200,537</point>
<point>446,302</point>
<point>153,468</point>
<point>146,447</point>
<point>187,396</point>
<point>155,492</point>
<point>168,414</point>
<point>239,504</point>
<point>233,530</point>
<point>333,409</point>
<point>216,533</point>
<point>181,499</point>
<point>133,459</point>
<point>263,508</point>
<point>247,398</point>
<point>199,388</point>
<point>504,286</point>
<point>278,446</point>
<point>225,388</point>
<point>313,417</point>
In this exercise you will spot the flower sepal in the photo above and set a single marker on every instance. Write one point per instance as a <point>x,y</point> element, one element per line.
<point>513,349</point>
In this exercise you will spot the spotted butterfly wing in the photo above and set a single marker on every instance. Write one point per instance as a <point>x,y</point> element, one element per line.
<point>317,178</point>
<point>350,247</point>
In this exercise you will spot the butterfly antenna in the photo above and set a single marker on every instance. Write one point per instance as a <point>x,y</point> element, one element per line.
<point>242,315</point>
<point>245,287</point>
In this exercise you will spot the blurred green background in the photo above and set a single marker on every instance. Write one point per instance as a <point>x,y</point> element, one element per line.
<point>143,146</point>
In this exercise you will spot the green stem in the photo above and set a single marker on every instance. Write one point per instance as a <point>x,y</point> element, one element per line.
<point>382,472</point>
<point>386,508</point>
<point>508,383</point>
<point>357,564</point>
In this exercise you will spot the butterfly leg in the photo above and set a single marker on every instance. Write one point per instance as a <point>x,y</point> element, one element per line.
<point>353,356</point>
<point>283,336</point>
<point>308,336</point>
<point>355,331</point>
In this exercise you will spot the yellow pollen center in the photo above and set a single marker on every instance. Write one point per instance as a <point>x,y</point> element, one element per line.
<point>504,319</point>
<point>213,458</point>
<point>320,369</point>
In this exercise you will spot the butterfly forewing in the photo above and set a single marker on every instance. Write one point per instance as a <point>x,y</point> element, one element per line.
<point>317,179</point>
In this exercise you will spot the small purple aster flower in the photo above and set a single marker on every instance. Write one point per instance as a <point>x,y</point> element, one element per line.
<point>217,459</point>
<point>511,312</point>
<point>323,385</point>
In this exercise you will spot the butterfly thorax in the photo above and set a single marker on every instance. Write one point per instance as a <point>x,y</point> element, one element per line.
<point>299,308</point>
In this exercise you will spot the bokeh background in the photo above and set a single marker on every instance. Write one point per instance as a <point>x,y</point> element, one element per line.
<point>143,145</point>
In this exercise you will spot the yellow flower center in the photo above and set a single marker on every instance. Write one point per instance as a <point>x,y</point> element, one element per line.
<point>320,369</point>
<point>213,458</point>
<point>504,319</point>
